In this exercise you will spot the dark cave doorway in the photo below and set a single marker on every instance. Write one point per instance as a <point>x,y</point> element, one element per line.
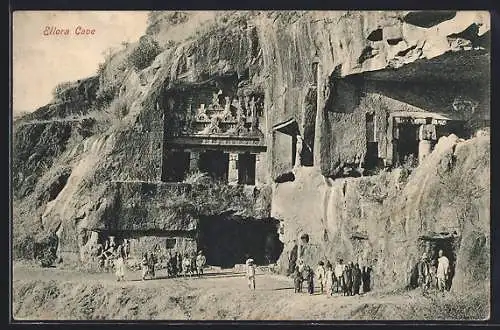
<point>227,240</point>
<point>431,244</point>
<point>407,142</point>
<point>215,163</point>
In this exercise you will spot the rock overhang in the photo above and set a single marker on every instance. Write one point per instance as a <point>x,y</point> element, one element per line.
<point>452,66</point>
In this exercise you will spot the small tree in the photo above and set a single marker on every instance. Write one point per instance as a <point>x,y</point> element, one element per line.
<point>144,53</point>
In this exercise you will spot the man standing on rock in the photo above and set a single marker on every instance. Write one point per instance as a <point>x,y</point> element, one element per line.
<point>442,271</point>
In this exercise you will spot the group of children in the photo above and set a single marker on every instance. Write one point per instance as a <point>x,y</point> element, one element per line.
<point>343,278</point>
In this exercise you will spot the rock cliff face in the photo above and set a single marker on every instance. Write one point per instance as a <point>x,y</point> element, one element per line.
<point>379,221</point>
<point>111,127</point>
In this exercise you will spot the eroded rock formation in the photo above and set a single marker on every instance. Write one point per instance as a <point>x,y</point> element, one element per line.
<point>325,71</point>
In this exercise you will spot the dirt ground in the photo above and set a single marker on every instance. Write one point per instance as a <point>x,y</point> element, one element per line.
<point>53,293</point>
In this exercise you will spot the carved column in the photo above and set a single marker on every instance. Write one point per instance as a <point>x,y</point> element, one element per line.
<point>232,177</point>
<point>426,135</point>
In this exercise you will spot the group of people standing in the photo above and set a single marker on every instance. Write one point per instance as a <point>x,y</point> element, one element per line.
<point>176,264</point>
<point>430,276</point>
<point>343,278</point>
<point>111,255</point>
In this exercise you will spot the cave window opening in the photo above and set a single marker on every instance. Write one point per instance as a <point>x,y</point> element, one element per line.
<point>246,168</point>
<point>170,243</point>
<point>406,138</point>
<point>226,240</point>
<point>175,166</point>
<point>376,35</point>
<point>215,163</point>
<point>285,140</point>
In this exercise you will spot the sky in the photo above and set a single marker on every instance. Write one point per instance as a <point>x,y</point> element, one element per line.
<point>40,62</point>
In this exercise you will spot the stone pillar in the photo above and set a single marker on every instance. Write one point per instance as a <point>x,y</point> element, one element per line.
<point>232,177</point>
<point>194,158</point>
<point>320,120</point>
<point>424,150</point>
<point>426,134</point>
<point>260,168</point>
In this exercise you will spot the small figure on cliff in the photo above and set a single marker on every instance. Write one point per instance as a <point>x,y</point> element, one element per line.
<point>250,273</point>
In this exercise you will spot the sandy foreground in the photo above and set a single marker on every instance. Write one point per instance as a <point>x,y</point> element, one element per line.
<point>51,293</point>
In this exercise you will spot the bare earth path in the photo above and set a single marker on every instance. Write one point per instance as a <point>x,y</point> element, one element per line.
<point>67,294</point>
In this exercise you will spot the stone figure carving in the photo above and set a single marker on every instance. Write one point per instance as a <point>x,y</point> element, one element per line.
<point>214,126</point>
<point>202,113</point>
<point>246,102</point>
<point>253,111</point>
<point>426,134</point>
<point>215,100</point>
<point>463,105</point>
<point>226,115</point>
<point>240,128</point>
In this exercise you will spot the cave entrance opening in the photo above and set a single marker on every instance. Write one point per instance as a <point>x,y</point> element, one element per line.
<point>446,242</point>
<point>226,240</point>
<point>215,163</point>
<point>406,142</point>
<point>246,168</point>
<point>176,166</point>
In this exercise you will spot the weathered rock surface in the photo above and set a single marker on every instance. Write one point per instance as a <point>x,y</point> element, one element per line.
<point>269,53</point>
<point>448,192</point>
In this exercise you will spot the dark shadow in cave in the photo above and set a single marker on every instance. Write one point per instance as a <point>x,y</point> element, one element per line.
<point>227,239</point>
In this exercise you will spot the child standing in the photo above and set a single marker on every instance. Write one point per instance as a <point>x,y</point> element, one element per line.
<point>310,279</point>
<point>144,266</point>
<point>329,279</point>
<point>320,274</point>
<point>120,264</point>
<point>297,280</point>
<point>250,273</point>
